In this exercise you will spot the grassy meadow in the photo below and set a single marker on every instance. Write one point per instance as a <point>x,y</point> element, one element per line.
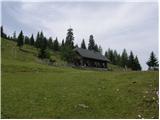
<point>32,89</point>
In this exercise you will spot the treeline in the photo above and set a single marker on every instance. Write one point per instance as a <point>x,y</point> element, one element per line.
<point>124,60</point>
<point>44,45</point>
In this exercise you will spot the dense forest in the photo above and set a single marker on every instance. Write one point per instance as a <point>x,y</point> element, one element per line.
<point>44,44</point>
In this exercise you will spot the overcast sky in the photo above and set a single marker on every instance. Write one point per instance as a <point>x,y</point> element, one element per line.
<point>116,25</point>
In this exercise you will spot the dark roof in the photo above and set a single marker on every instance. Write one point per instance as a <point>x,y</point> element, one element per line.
<point>91,54</point>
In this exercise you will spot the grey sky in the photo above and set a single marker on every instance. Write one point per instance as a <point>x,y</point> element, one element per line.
<point>116,25</point>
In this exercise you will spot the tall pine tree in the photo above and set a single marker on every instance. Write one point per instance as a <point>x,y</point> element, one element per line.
<point>56,45</point>
<point>26,40</point>
<point>32,40</point>
<point>50,43</point>
<point>70,38</point>
<point>20,40</point>
<point>152,62</point>
<point>37,43</point>
<point>137,64</point>
<point>131,62</point>
<point>91,44</point>
<point>83,45</point>
<point>124,58</point>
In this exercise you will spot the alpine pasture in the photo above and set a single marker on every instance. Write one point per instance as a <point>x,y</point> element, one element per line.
<point>33,89</point>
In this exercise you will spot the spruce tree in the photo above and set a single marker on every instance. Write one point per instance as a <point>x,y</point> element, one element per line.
<point>55,45</point>
<point>50,43</point>
<point>37,43</point>
<point>124,58</point>
<point>43,52</point>
<point>96,48</point>
<point>32,40</point>
<point>67,52</point>
<point>20,40</point>
<point>110,55</point>
<point>70,38</point>
<point>2,33</point>
<point>26,40</point>
<point>137,64</point>
<point>91,44</point>
<point>118,60</point>
<point>114,59</point>
<point>153,61</point>
<point>131,62</point>
<point>106,54</point>
<point>83,45</point>
<point>62,45</point>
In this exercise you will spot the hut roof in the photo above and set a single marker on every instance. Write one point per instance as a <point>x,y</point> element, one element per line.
<point>91,54</point>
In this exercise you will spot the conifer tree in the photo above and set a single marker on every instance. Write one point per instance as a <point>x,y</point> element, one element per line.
<point>70,38</point>
<point>43,52</point>
<point>2,33</point>
<point>106,54</point>
<point>83,45</point>
<point>26,40</point>
<point>124,58</point>
<point>56,44</point>
<point>37,43</point>
<point>50,43</point>
<point>152,62</point>
<point>96,48</point>
<point>62,44</point>
<point>114,59</point>
<point>110,55</point>
<point>32,40</point>
<point>20,40</point>
<point>91,44</point>
<point>131,62</point>
<point>137,64</point>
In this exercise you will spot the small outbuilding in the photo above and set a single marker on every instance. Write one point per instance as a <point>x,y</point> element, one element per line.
<point>90,58</point>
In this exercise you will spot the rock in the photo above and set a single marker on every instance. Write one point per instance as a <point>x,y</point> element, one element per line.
<point>139,116</point>
<point>83,105</point>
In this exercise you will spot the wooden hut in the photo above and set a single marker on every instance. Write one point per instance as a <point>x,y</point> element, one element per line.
<point>90,58</point>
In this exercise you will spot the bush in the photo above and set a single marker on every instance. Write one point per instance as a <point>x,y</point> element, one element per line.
<point>67,54</point>
<point>44,53</point>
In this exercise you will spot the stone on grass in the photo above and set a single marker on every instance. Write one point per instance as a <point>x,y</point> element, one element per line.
<point>83,105</point>
<point>139,116</point>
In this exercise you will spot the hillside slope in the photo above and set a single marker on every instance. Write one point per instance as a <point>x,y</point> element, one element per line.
<point>30,89</point>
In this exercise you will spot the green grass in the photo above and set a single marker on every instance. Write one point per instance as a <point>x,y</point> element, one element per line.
<point>34,90</point>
